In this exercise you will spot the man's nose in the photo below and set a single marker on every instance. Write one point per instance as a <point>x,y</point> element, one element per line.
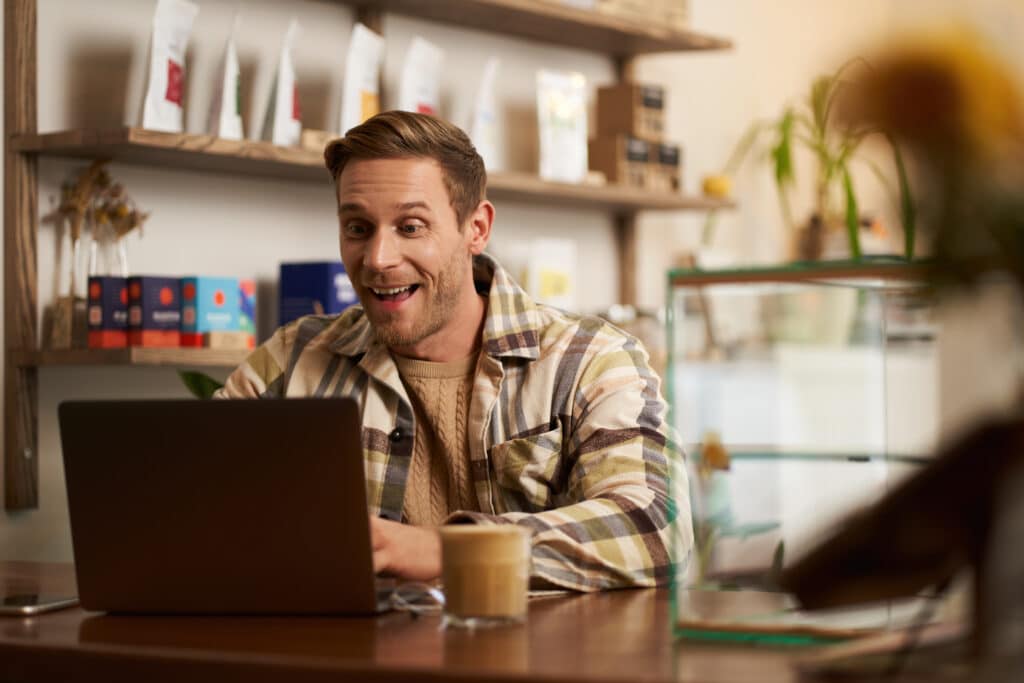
<point>382,252</point>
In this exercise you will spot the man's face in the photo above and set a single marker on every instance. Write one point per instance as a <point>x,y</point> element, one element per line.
<point>401,244</point>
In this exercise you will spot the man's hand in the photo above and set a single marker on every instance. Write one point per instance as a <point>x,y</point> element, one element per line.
<point>408,552</point>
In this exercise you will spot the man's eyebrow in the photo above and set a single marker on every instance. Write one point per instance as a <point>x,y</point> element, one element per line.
<point>352,207</point>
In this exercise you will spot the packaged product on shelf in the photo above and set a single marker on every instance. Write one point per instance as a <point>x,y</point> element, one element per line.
<point>631,109</point>
<point>226,111</point>
<point>154,311</point>
<point>668,174</point>
<point>550,272</point>
<point>671,13</point>
<point>208,304</point>
<point>483,129</point>
<point>233,340</point>
<point>283,123</point>
<point>247,311</point>
<point>360,96</point>
<point>624,160</point>
<point>419,89</point>
<point>314,140</point>
<point>108,312</point>
<point>562,123</point>
<point>162,106</point>
<point>320,287</point>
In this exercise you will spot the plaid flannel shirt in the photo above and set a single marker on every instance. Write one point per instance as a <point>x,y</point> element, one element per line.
<point>569,434</point>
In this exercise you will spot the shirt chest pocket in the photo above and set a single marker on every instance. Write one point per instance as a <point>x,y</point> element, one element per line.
<point>528,471</point>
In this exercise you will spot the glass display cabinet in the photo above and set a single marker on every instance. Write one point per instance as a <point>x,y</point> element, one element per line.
<point>801,393</point>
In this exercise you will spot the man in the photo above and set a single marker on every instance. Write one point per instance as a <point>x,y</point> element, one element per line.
<point>479,406</point>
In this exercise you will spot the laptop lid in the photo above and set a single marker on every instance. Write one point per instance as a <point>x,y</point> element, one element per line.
<point>218,507</point>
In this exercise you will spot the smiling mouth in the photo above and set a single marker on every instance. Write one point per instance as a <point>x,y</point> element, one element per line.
<point>393,293</point>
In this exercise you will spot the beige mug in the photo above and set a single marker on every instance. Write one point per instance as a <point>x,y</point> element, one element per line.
<point>485,573</point>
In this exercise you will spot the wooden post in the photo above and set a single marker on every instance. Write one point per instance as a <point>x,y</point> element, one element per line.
<point>625,237</point>
<point>626,224</point>
<point>21,425</point>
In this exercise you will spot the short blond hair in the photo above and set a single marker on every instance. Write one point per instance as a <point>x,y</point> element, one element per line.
<point>404,135</point>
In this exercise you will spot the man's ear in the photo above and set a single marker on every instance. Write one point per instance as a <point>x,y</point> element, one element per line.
<point>479,227</point>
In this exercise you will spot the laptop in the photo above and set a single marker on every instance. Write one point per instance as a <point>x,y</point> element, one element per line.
<point>219,507</point>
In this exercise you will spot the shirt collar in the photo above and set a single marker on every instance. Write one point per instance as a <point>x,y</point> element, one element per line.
<point>511,325</point>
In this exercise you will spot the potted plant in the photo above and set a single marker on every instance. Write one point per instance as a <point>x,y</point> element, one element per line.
<point>835,145</point>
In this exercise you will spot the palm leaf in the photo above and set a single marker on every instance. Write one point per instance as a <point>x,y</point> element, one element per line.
<point>743,146</point>
<point>198,384</point>
<point>821,91</point>
<point>782,152</point>
<point>908,212</point>
<point>852,215</point>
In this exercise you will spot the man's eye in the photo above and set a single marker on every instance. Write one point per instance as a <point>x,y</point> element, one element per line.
<point>410,228</point>
<point>355,229</point>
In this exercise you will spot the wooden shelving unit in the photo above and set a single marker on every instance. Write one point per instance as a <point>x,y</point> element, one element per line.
<point>247,157</point>
<point>180,358</point>
<point>538,20</point>
<point>550,22</point>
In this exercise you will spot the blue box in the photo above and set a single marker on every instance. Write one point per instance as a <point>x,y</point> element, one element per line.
<point>108,312</point>
<point>319,287</point>
<point>208,304</point>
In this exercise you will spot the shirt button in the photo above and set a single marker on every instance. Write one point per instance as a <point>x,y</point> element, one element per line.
<point>395,435</point>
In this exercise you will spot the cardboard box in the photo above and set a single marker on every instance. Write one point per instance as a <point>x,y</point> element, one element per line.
<point>673,13</point>
<point>208,304</point>
<point>108,312</point>
<point>667,175</point>
<point>235,340</point>
<point>320,287</point>
<point>624,160</point>
<point>631,109</point>
<point>247,310</point>
<point>154,311</point>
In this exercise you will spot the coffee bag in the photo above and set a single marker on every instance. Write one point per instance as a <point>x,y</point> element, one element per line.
<point>172,24</point>
<point>283,123</point>
<point>360,97</point>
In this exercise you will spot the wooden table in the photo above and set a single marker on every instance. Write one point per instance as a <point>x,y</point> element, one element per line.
<point>613,636</point>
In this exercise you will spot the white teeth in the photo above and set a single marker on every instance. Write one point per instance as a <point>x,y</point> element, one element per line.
<point>389,292</point>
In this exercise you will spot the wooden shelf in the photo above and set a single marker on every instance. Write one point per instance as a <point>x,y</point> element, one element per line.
<point>550,22</point>
<point>207,153</point>
<point>179,357</point>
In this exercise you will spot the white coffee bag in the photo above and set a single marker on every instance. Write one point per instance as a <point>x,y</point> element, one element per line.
<point>420,87</point>
<point>360,92</point>
<point>283,123</point>
<point>562,122</point>
<point>483,129</point>
<point>162,107</point>
<point>226,110</point>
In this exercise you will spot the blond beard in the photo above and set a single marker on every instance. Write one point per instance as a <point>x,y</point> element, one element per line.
<point>437,312</point>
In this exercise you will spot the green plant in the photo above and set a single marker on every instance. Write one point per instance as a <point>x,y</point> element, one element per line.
<point>834,145</point>
<point>199,385</point>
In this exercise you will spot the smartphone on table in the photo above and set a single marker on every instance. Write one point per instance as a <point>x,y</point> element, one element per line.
<point>29,604</point>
